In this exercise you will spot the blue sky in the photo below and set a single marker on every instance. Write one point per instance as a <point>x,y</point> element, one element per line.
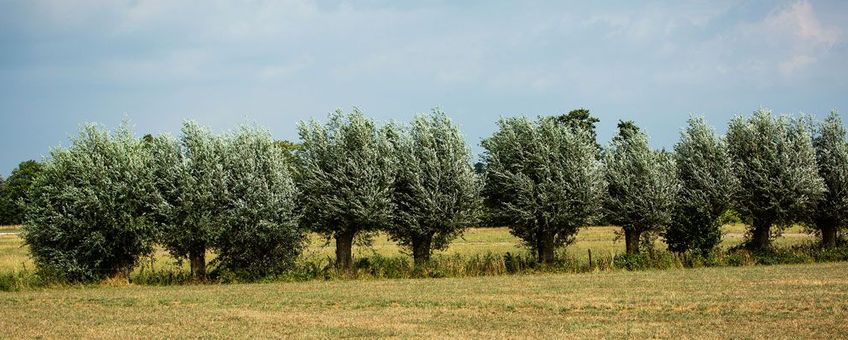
<point>64,63</point>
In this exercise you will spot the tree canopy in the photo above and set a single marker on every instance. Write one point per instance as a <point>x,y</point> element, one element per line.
<point>436,192</point>
<point>642,185</point>
<point>775,162</point>
<point>543,180</point>
<point>831,211</point>
<point>707,184</point>
<point>347,173</point>
<point>91,209</point>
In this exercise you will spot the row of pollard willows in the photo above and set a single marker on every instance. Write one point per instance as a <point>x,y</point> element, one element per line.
<point>102,203</point>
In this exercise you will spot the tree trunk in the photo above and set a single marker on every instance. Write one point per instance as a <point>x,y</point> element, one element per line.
<point>760,237</point>
<point>631,240</point>
<point>198,263</point>
<point>547,244</point>
<point>421,249</point>
<point>828,236</point>
<point>344,245</point>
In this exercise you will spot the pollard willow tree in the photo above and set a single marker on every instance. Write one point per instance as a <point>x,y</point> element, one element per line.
<point>543,180</point>
<point>91,208</point>
<point>641,186</point>
<point>707,183</point>
<point>779,182</point>
<point>831,212</point>
<point>260,234</point>
<point>191,180</point>
<point>346,179</point>
<point>437,193</point>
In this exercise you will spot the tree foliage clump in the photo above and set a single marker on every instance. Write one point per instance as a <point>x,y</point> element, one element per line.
<point>232,194</point>
<point>831,211</point>
<point>191,179</point>
<point>642,186</point>
<point>91,208</point>
<point>580,119</point>
<point>13,196</point>
<point>775,162</point>
<point>707,183</point>
<point>346,177</point>
<point>543,180</point>
<point>436,191</point>
<point>260,234</point>
<point>4,205</point>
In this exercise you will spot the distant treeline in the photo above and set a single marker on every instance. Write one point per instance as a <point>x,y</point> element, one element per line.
<point>93,209</point>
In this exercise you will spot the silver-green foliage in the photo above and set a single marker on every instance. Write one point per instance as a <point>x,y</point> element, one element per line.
<point>91,207</point>
<point>707,185</point>
<point>642,185</point>
<point>346,177</point>
<point>437,193</point>
<point>192,182</point>
<point>775,162</point>
<point>831,214</point>
<point>259,233</point>
<point>543,180</point>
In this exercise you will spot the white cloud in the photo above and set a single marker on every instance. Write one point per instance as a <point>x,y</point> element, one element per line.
<point>796,63</point>
<point>795,37</point>
<point>800,23</point>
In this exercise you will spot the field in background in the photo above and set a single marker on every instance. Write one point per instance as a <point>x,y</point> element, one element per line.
<point>602,240</point>
<point>784,301</point>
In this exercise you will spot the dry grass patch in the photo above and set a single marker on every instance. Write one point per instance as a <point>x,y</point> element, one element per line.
<point>787,301</point>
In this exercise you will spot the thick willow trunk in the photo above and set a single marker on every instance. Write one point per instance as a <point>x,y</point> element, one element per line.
<point>344,246</point>
<point>631,240</point>
<point>828,236</point>
<point>760,237</point>
<point>421,249</point>
<point>546,253</point>
<point>197,257</point>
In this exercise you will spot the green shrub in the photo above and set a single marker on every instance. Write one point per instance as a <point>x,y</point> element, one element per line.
<point>771,256</point>
<point>738,257</point>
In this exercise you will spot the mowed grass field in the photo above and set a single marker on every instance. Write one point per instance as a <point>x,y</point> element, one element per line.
<point>786,301</point>
<point>602,240</point>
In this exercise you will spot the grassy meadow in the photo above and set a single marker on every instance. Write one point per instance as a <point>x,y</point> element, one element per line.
<point>781,301</point>
<point>784,301</point>
<point>602,240</point>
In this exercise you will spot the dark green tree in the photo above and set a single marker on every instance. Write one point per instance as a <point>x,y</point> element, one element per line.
<point>3,204</point>
<point>580,119</point>
<point>14,196</point>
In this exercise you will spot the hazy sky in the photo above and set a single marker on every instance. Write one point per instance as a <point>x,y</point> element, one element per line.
<point>63,63</point>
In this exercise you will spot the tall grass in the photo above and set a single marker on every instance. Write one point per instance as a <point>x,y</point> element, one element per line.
<point>484,252</point>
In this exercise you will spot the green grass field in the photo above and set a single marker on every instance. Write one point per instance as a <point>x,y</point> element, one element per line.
<point>786,301</point>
